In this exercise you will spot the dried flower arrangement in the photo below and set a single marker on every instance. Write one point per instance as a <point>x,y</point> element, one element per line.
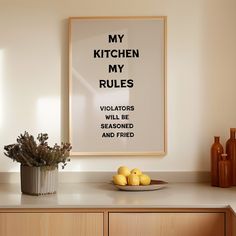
<point>29,152</point>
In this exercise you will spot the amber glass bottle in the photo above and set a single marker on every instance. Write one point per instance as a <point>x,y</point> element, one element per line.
<point>231,151</point>
<point>224,172</point>
<point>216,151</point>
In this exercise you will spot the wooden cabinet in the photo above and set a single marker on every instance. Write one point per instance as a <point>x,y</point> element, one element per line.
<point>51,224</point>
<point>117,222</point>
<point>233,224</point>
<point>166,224</point>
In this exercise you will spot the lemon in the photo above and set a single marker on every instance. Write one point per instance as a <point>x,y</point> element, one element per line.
<point>144,179</point>
<point>133,179</point>
<point>123,170</point>
<point>119,180</point>
<point>136,171</point>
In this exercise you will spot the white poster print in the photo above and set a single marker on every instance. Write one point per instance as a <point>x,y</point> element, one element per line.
<point>117,86</point>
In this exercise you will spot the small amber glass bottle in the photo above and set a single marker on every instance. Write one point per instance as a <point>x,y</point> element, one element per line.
<point>224,171</point>
<point>216,151</point>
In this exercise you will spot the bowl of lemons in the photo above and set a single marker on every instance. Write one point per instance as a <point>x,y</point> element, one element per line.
<point>135,180</point>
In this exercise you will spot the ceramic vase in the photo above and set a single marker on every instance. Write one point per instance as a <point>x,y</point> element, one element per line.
<point>38,180</point>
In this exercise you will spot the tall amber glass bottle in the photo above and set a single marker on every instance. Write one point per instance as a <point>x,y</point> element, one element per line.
<point>216,151</point>
<point>231,151</point>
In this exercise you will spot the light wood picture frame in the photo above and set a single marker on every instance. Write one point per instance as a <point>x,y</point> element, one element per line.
<point>117,85</point>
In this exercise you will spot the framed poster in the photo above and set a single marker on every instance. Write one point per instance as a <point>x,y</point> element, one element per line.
<point>117,69</point>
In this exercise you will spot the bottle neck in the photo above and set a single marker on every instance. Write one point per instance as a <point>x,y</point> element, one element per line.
<point>224,157</point>
<point>232,134</point>
<point>217,139</point>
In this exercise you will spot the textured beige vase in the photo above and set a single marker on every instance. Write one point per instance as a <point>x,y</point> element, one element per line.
<point>38,180</point>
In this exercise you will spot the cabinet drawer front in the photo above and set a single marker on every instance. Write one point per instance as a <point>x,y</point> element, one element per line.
<point>51,224</point>
<point>166,224</point>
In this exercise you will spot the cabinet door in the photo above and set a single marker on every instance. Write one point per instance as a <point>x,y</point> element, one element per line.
<point>233,225</point>
<point>166,224</point>
<point>51,224</point>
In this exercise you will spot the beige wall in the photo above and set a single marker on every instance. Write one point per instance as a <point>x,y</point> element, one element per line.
<point>201,75</point>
